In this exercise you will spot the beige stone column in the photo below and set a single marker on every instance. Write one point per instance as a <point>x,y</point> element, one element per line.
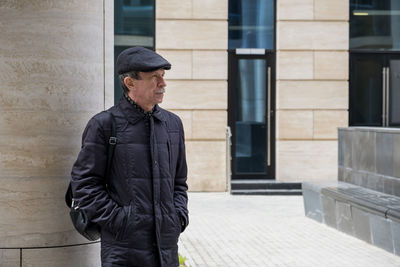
<point>312,87</point>
<point>193,36</point>
<point>52,80</point>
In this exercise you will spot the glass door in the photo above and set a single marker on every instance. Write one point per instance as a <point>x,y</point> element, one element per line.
<point>251,116</point>
<point>393,88</point>
<point>374,89</point>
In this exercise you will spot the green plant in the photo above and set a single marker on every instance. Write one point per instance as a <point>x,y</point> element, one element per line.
<point>182,261</point>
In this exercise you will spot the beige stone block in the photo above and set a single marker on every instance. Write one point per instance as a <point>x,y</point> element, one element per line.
<point>210,65</point>
<point>207,165</point>
<point>295,10</point>
<point>38,155</point>
<point>209,124</point>
<point>331,65</point>
<point>331,10</point>
<point>181,61</point>
<point>41,123</point>
<point>45,59</point>
<point>84,255</point>
<point>30,85</point>
<point>326,123</point>
<point>295,65</point>
<point>34,212</point>
<point>9,257</point>
<point>109,53</point>
<point>312,94</point>
<point>196,95</point>
<point>53,30</point>
<point>299,161</point>
<point>186,117</point>
<point>191,34</point>
<point>313,35</point>
<point>174,9</point>
<point>297,124</point>
<point>210,9</point>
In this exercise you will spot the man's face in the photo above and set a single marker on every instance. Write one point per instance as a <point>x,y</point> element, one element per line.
<point>149,89</point>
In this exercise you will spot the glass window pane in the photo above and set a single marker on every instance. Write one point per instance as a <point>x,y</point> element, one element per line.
<point>366,93</point>
<point>375,24</point>
<point>251,24</point>
<point>250,116</point>
<point>134,22</point>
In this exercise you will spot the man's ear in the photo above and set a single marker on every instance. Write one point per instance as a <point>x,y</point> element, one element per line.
<point>130,83</point>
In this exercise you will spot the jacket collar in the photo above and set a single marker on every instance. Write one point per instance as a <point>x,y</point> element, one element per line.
<point>133,115</point>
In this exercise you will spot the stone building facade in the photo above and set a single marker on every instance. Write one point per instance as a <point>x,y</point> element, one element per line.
<point>56,71</point>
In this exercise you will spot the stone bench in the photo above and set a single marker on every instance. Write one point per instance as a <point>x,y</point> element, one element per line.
<point>364,213</point>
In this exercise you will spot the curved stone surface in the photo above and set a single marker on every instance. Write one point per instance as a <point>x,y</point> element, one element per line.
<point>52,81</point>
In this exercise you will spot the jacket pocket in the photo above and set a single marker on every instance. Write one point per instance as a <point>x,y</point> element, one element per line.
<point>121,233</point>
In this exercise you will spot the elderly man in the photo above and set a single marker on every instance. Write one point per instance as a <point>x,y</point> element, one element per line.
<point>141,206</point>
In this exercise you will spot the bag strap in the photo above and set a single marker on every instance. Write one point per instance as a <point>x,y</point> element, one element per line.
<point>112,141</point>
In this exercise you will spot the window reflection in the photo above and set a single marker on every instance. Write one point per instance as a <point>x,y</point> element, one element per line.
<point>250,116</point>
<point>134,23</point>
<point>251,24</point>
<point>375,24</point>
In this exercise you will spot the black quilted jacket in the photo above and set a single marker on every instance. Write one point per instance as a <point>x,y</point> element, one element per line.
<point>142,209</point>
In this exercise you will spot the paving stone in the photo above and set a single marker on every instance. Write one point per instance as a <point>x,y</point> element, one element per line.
<point>228,230</point>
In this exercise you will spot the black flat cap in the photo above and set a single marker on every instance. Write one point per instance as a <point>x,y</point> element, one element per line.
<point>140,59</point>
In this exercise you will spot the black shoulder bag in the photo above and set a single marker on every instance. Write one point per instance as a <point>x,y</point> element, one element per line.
<point>89,230</point>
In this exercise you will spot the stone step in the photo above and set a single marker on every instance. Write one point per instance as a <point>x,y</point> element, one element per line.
<point>267,192</point>
<point>256,184</point>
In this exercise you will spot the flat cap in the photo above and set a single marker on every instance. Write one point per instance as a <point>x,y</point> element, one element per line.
<point>140,59</point>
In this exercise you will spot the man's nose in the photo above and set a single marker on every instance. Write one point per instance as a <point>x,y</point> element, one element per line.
<point>162,82</point>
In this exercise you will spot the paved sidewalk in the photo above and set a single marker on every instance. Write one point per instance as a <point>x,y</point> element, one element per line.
<point>228,230</point>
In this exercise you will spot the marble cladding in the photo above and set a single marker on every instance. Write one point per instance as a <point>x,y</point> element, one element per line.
<point>306,160</point>
<point>311,84</point>
<point>313,95</point>
<point>313,35</point>
<point>64,256</point>
<point>214,95</point>
<point>10,257</point>
<point>369,157</point>
<point>206,165</point>
<point>193,36</point>
<point>313,10</point>
<point>194,9</point>
<point>53,78</point>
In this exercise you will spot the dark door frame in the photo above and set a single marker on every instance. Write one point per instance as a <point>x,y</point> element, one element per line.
<point>270,58</point>
<point>382,56</point>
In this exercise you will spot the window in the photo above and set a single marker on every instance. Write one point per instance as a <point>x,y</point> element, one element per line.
<point>134,25</point>
<point>251,24</point>
<point>375,24</point>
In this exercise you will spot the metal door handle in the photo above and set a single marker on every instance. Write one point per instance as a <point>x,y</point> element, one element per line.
<point>269,118</point>
<point>384,96</point>
<point>387,94</point>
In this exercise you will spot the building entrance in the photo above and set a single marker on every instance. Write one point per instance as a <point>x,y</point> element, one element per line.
<point>251,113</point>
<point>375,89</point>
